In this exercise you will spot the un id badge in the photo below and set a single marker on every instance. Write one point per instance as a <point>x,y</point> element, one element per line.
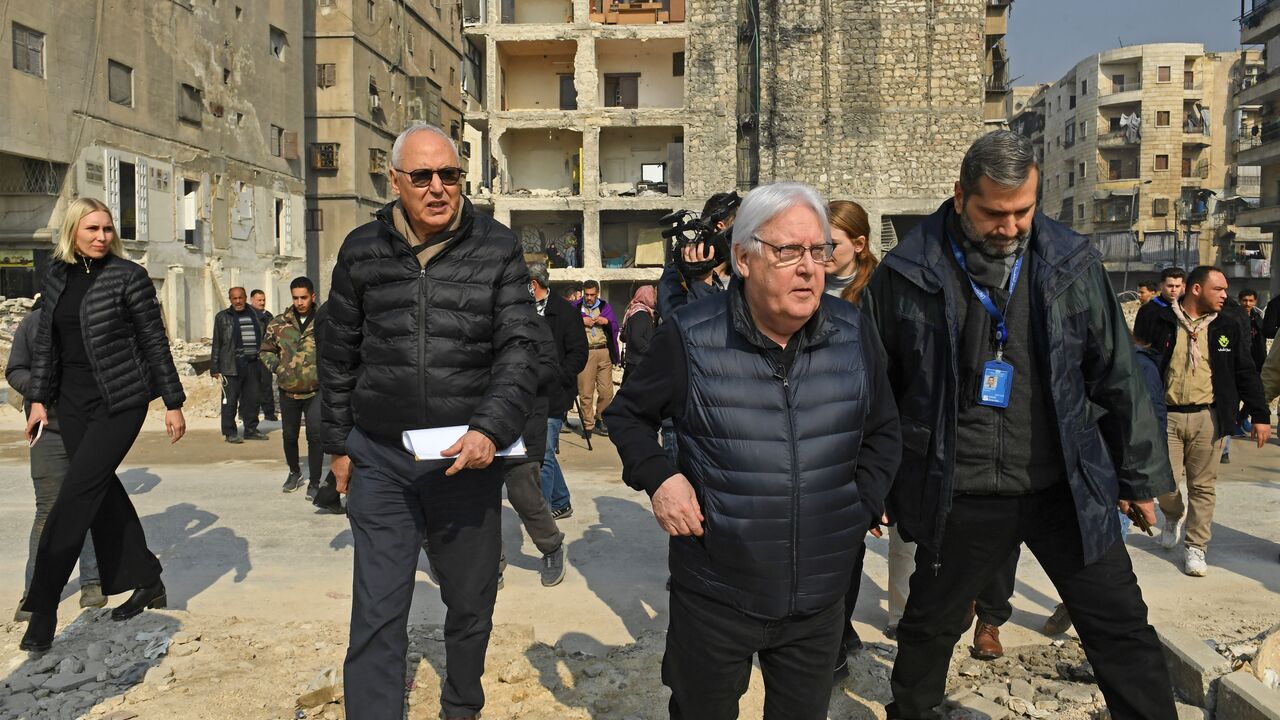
<point>996,385</point>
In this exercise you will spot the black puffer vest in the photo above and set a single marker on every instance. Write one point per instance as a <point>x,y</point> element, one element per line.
<point>772,459</point>
<point>123,335</point>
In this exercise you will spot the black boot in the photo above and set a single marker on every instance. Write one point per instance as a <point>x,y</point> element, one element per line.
<point>141,599</point>
<point>39,635</point>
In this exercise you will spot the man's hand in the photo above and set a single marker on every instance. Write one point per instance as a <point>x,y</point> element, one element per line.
<point>1146,507</point>
<point>875,529</point>
<point>675,506</point>
<point>588,321</point>
<point>698,253</point>
<point>38,416</point>
<point>175,425</point>
<point>1261,433</point>
<point>602,320</point>
<point>474,451</point>
<point>340,466</point>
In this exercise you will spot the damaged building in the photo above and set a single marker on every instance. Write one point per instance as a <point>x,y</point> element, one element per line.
<point>587,120</point>
<point>184,117</point>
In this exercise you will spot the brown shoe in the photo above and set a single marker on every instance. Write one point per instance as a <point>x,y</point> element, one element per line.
<point>986,642</point>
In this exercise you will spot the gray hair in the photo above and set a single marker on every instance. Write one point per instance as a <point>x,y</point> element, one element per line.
<point>397,148</point>
<point>538,273</point>
<point>1003,156</point>
<point>766,202</point>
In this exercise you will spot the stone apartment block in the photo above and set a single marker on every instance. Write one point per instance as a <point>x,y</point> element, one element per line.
<point>372,67</point>
<point>588,120</point>
<point>1139,154</point>
<point>183,116</point>
<point>1257,92</point>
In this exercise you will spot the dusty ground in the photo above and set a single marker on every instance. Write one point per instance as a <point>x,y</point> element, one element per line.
<point>259,590</point>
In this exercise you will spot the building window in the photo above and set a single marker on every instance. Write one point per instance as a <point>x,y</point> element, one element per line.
<point>1163,73</point>
<point>119,83</point>
<point>377,161</point>
<point>190,104</point>
<point>431,58</point>
<point>326,75</point>
<point>315,219</point>
<point>1084,87</point>
<point>278,42</point>
<point>1186,167</point>
<point>1162,118</point>
<point>1189,79</point>
<point>1084,130</point>
<point>1080,211</point>
<point>1082,171</point>
<point>226,76</point>
<point>276,133</point>
<point>677,64</point>
<point>1160,207</point>
<point>408,42</point>
<point>1071,102</point>
<point>1071,178</point>
<point>568,92</point>
<point>28,50</point>
<point>324,156</point>
<point>1162,162</point>
<point>622,90</point>
<point>369,14</point>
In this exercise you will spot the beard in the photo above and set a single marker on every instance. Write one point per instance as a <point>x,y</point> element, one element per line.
<point>991,246</point>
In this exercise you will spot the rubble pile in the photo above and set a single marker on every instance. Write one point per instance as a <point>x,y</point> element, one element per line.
<point>1033,681</point>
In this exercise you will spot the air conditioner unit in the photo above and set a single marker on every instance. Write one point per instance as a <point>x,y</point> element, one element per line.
<point>374,103</point>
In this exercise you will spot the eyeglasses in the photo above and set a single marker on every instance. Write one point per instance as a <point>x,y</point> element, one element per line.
<point>422,178</point>
<point>792,254</point>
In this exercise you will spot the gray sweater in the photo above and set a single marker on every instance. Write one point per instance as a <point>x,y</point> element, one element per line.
<point>18,371</point>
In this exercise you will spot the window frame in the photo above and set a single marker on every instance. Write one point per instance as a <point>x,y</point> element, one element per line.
<point>27,34</point>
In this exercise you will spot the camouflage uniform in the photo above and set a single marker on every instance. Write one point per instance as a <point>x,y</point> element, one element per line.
<point>290,353</point>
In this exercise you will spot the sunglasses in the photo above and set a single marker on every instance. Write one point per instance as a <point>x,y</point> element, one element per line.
<point>422,178</point>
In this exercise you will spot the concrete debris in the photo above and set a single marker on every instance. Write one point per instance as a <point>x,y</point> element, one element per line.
<point>324,688</point>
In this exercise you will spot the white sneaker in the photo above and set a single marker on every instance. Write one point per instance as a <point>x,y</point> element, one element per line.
<point>1195,565</point>
<point>1171,532</point>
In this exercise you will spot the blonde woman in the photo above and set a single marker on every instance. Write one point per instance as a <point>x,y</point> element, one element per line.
<point>101,355</point>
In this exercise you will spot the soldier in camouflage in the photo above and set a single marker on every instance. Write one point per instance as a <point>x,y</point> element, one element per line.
<point>289,350</point>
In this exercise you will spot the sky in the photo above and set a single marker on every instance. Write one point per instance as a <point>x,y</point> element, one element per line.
<point>1048,37</point>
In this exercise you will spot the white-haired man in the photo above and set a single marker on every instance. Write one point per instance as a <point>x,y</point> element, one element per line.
<point>430,324</point>
<point>788,443</point>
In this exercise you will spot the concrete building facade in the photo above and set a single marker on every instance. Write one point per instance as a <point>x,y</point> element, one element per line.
<point>1257,91</point>
<point>183,117</point>
<point>1138,153</point>
<point>373,67</point>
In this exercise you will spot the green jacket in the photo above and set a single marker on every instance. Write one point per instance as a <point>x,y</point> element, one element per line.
<point>289,351</point>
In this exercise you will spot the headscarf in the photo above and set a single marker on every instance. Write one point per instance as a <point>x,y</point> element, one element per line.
<point>644,300</point>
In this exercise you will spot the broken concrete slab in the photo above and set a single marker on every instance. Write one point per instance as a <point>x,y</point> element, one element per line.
<point>974,707</point>
<point>1242,697</point>
<point>1193,667</point>
<point>64,682</point>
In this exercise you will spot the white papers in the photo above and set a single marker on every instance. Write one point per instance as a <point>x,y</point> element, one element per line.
<point>428,443</point>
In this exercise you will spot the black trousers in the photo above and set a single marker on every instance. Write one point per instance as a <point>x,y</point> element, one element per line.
<point>291,413</point>
<point>394,502</point>
<point>266,397</point>
<point>92,500</point>
<point>1103,598</point>
<point>240,392</point>
<point>993,604</point>
<point>707,663</point>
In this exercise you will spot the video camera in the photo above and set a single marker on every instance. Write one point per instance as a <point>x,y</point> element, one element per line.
<point>688,228</point>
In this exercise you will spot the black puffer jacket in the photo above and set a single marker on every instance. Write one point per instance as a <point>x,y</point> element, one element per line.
<point>123,335</point>
<point>407,347</point>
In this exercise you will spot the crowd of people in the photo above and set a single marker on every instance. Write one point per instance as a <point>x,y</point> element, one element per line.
<point>784,394</point>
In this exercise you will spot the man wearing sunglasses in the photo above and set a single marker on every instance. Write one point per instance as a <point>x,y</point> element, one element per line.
<point>788,440</point>
<point>429,324</point>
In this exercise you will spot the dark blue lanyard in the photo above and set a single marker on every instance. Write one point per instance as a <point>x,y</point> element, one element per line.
<point>1002,332</point>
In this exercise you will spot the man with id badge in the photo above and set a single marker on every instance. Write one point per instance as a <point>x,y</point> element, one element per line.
<point>1024,420</point>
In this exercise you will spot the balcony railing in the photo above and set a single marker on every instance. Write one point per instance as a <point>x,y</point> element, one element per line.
<point>1254,16</point>
<point>1123,87</point>
<point>1117,139</point>
<point>998,83</point>
<point>1192,85</point>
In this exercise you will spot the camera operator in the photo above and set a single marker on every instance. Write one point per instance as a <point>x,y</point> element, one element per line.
<point>700,266</point>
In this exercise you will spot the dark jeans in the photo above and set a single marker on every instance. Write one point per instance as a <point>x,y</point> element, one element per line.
<point>394,504</point>
<point>291,414</point>
<point>92,500</point>
<point>266,391</point>
<point>240,392</point>
<point>525,494</point>
<point>707,664</point>
<point>1103,598</point>
<point>49,464</point>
